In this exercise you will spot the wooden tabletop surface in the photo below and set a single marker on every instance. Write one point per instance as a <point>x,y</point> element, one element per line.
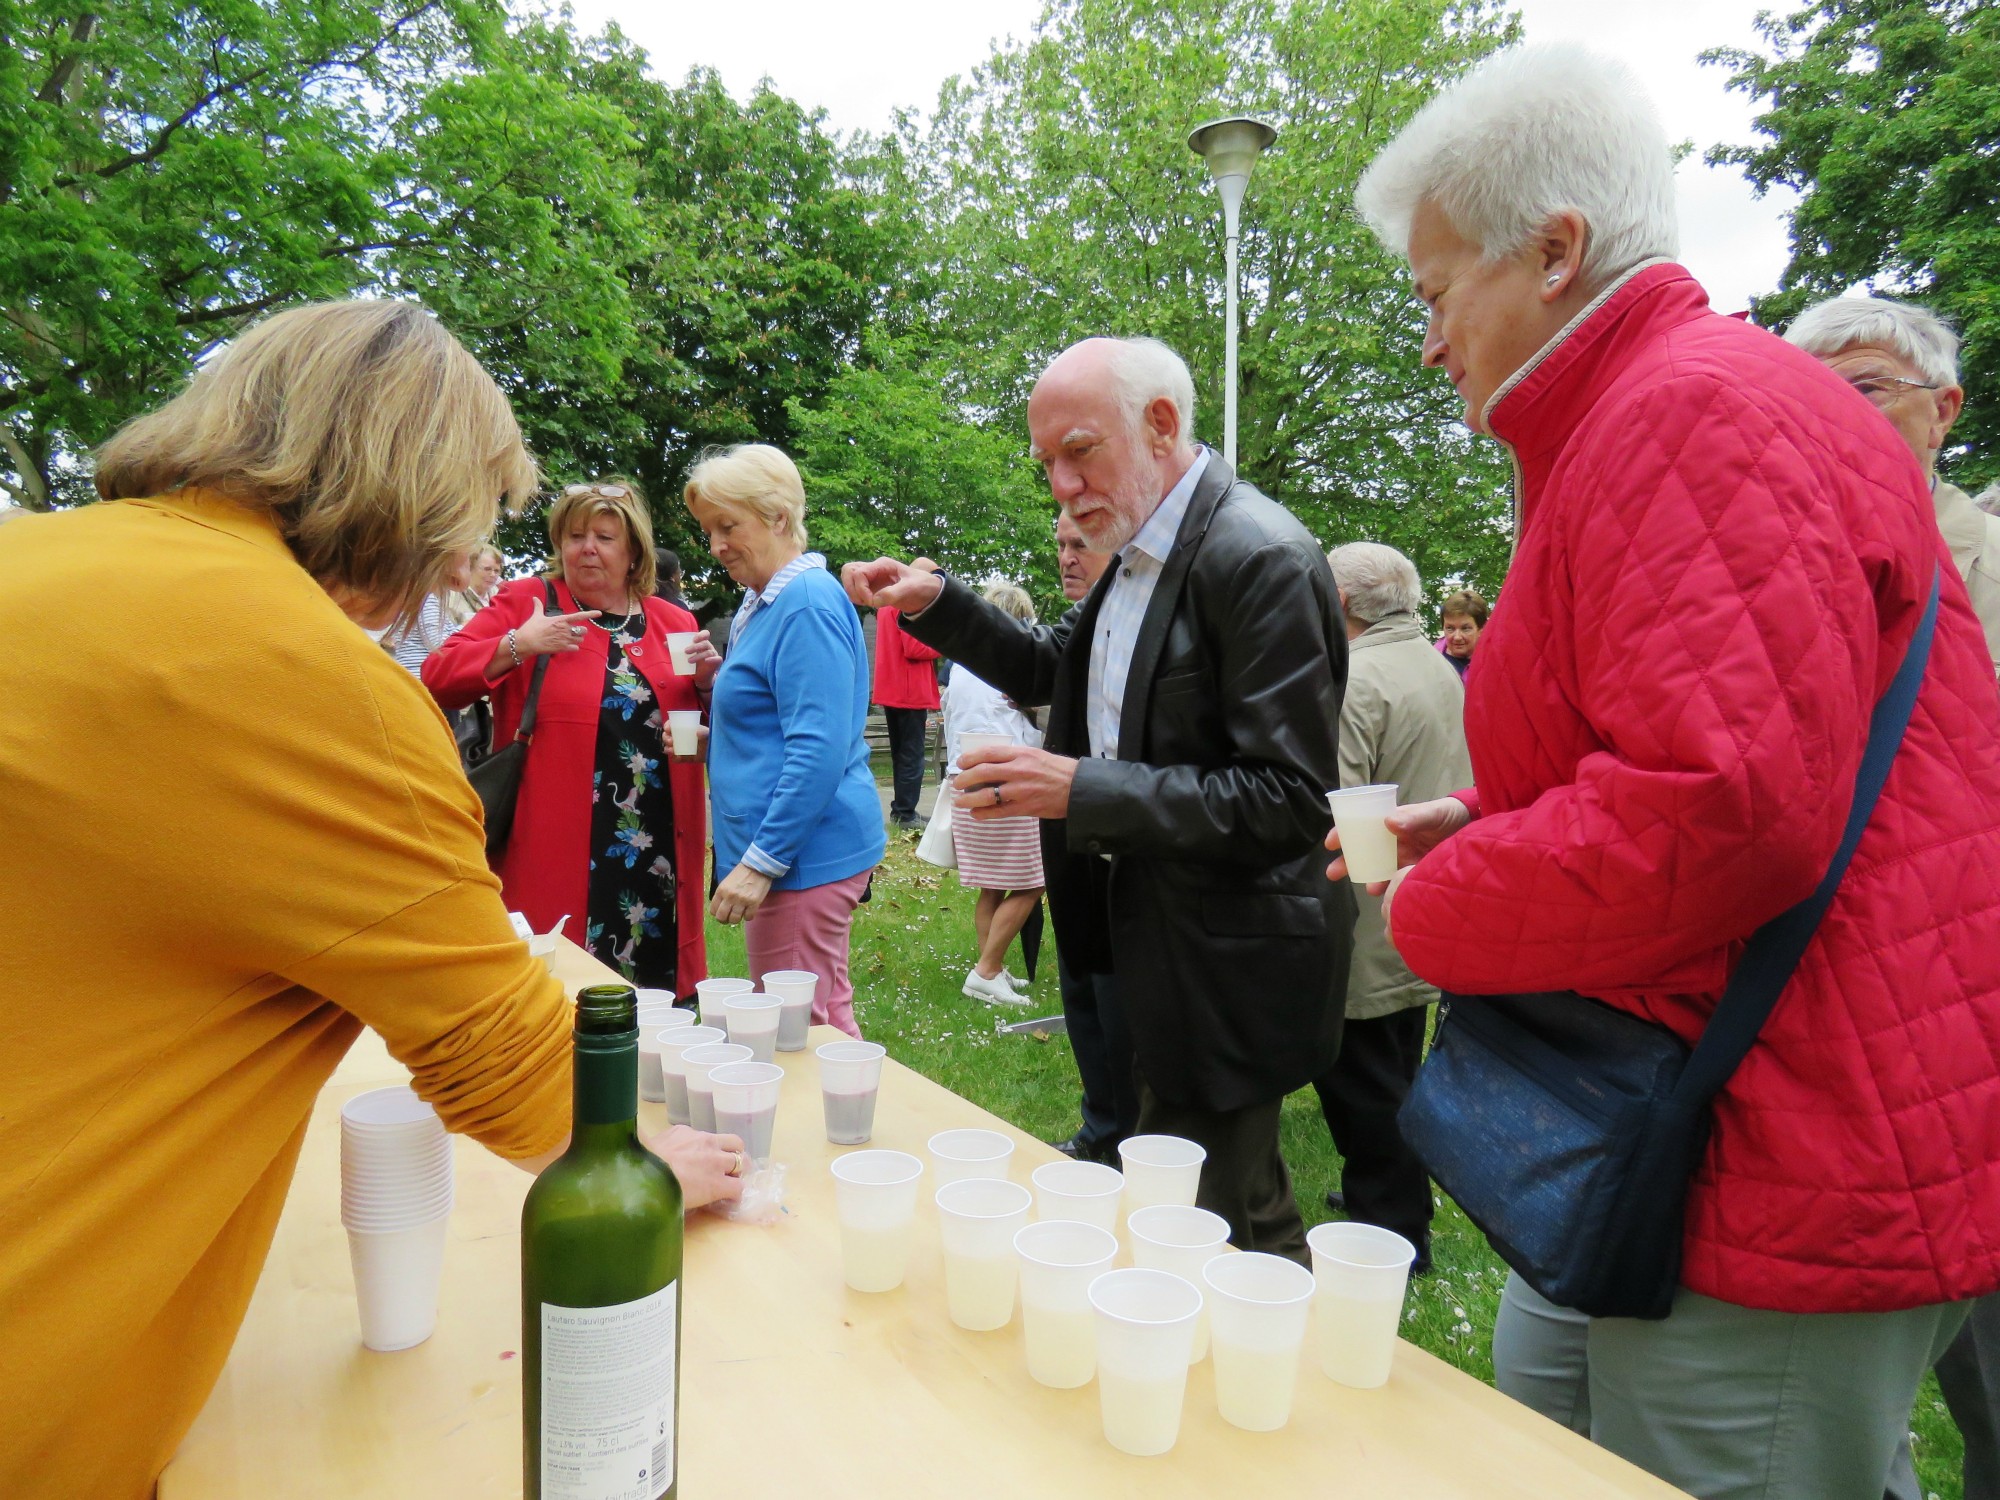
<point>791,1383</point>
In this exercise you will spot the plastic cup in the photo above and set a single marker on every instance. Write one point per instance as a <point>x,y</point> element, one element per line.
<point>678,642</point>
<point>979,740</point>
<point>1257,1308</point>
<point>746,1103</point>
<point>710,993</point>
<point>1160,1169</point>
<point>683,725</point>
<point>795,989</point>
<point>1360,1272</point>
<point>696,1063</point>
<point>544,948</point>
<point>652,1086</point>
<point>960,1155</point>
<point>753,1020</point>
<point>1059,1260</point>
<point>654,997</point>
<point>1145,1330</point>
<point>1365,840</point>
<point>673,1073</point>
<point>978,1218</point>
<point>1167,1237</point>
<point>850,1076</point>
<point>1085,1192</point>
<point>396,1277</point>
<point>876,1196</point>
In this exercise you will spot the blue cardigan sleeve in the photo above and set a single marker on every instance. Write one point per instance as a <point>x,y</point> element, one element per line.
<point>814,664</point>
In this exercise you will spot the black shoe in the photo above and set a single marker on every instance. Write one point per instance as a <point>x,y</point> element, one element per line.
<point>1337,1201</point>
<point>1079,1149</point>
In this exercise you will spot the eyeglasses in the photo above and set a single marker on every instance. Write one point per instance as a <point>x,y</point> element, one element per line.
<point>608,491</point>
<point>1883,389</point>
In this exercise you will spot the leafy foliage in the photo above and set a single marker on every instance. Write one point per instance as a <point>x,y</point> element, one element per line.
<point>1885,116</point>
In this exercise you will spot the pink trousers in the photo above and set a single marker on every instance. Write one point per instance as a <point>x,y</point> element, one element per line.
<point>808,930</point>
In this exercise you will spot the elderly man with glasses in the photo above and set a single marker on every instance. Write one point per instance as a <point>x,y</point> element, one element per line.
<point>1904,359</point>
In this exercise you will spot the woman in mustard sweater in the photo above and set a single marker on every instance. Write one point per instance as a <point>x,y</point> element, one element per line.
<point>236,832</point>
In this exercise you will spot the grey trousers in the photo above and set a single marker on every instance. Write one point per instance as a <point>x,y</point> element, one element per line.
<point>1969,1380</point>
<point>1728,1402</point>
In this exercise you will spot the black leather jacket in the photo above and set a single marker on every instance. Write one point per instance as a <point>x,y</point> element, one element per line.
<point>1192,866</point>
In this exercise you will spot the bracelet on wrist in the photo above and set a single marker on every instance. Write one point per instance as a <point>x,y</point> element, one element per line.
<point>512,649</point>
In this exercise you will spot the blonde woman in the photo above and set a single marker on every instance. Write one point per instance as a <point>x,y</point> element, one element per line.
<point>289,853</point>
<point>609,829</point>
<point>1001,858</point>
<point>798,824</point>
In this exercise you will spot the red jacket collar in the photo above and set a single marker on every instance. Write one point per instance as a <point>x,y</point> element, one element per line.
<point>1543,402</point>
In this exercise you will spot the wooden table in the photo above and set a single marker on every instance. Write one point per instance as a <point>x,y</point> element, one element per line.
<point>791,1383</point>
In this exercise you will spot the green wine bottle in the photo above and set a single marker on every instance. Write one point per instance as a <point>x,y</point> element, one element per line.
<point>600,1286</point>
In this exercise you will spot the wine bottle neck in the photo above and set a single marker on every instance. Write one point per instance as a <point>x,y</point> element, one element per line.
<point>607,1084</point>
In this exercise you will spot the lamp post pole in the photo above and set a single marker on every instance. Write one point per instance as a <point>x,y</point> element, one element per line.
<point>1231,148</point>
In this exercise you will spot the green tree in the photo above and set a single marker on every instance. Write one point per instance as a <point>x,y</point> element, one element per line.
<point>1884,115</point>
<point>1059,200</point>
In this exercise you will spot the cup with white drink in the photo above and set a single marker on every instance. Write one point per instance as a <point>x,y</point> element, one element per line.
<point>395,1203</point>
<point>1257,1310</point>
<point>678,642</point>
<point>957,1155</point>
<point>875,1194</point>
<point>1367,842</point>
<point>1360,1272</point>
<point>850,1077</point>
<point>1176,1238</point>
<point>795,989</point>
<point>1145,1332</point>
<point>1160,1169</point>
<point>752,1019</point>
<point>684,731</point>
<point>1083,1191</point>
<point>697,1063</point>
<point>672,1043</point>
<point>710,993</point>
<point>1059,1259</point>
<point>746,1103</point>
<point>978,1218</point>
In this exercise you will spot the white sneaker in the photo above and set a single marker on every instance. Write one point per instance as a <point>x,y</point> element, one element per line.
<point>1021,986</point>
<point>995,991</point>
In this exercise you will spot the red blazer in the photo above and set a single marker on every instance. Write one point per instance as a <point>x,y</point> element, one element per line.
<point>545,870</point>
<point>904,676</point>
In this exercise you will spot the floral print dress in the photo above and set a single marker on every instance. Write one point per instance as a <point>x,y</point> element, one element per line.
<point>631,915</point>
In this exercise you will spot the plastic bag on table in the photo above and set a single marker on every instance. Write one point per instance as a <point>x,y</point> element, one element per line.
<point>763,1200</point>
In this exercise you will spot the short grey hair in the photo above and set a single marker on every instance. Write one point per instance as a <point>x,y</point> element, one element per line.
<point>1145,370</point>
<point>1528,133</point>
<point>1919,335</point>
<point>1011,598</point>
<point>1375,580</point>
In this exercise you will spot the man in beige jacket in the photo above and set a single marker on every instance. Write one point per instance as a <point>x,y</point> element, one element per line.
<point>1401,722</point>
<point>1904,359</point>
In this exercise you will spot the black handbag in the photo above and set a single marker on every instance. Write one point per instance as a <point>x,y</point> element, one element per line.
<point>497,778</point>
<point>1568,1131</point>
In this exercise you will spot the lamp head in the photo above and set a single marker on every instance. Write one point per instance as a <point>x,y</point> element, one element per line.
<point>1231,147</point>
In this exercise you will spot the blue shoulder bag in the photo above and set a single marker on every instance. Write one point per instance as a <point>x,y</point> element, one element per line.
<point>1568,1131</point>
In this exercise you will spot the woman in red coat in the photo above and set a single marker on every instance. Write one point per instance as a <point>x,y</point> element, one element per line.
<point>609,831</point>
<point>1721,555</point>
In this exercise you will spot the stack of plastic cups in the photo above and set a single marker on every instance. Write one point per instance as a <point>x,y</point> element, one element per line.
<point>752,1020</point>
<point>1167,1237</point>
<point>1145,1331</point>
<point>1257,1308</point>
<point>395,1201</point>
<point>795,989</point>
<point>655,1022</point>
<point>960,1155</point>
<point>673,1075</point>
<point>710,993</point>
<point>695,1064</point>
<point>746,1103</point>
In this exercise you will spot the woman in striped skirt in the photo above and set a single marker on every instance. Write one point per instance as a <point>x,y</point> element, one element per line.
<point>1000,857</point>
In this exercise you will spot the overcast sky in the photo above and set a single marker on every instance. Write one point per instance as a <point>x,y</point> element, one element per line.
<point>862,60</point>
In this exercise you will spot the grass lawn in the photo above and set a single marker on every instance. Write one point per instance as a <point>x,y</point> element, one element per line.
<point>912,945</point>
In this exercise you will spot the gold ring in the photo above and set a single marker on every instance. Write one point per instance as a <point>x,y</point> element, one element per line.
<point>741,1162</point>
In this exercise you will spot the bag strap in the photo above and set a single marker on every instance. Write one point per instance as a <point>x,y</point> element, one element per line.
<point>1774,950</point>
<point>526,732</point>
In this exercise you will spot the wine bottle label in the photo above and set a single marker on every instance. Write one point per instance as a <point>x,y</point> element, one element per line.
<point>608,1399</point>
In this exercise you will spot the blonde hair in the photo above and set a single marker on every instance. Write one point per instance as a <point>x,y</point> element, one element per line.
<point>619,497</point>
<point>1012,598</point>
<point>377,442</point>
<point>753,477</point>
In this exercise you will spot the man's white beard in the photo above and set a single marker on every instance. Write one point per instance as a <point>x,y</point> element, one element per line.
<point>1132,505</point>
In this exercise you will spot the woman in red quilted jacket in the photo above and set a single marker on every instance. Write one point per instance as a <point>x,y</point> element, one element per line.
<point>1721,554</point>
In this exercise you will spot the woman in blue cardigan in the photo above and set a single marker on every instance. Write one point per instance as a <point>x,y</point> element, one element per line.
<point>798,823</point>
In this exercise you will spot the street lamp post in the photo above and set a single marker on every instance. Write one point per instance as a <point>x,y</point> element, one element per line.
<point>1231,148</point>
